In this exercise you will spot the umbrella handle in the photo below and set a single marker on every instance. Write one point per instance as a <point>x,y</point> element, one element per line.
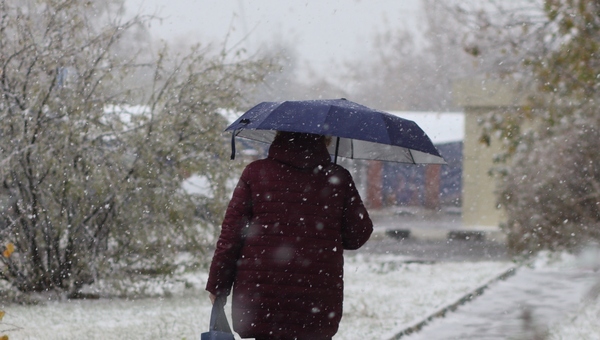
<point>337,147</point>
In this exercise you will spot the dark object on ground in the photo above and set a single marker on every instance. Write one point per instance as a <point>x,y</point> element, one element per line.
<point>399,234</point>
<point>83,296</point>
<point>466,235</point>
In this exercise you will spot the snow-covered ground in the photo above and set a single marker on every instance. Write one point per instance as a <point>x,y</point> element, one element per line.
<point>540,295</point>
<point>383,296</point>
<point>582,324</point>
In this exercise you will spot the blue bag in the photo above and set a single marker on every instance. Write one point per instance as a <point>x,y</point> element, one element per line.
<point>219,327</point>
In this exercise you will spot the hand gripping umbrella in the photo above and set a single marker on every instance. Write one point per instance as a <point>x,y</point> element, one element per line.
<point>361,132</point>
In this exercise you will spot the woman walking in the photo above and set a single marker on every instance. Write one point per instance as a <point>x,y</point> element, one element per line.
<point>282,240</point>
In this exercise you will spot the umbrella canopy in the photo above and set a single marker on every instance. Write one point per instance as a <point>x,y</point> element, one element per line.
<point>362,132</point>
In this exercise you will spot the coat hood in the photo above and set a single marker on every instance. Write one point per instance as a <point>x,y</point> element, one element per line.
<point>300,150</point>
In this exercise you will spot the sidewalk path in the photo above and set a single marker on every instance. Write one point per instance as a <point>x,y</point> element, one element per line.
<point>516,308</point>
<point>542,295</point>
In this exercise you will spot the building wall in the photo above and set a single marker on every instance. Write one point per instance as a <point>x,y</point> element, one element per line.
<point>479,207</point>
<point>479,97</point>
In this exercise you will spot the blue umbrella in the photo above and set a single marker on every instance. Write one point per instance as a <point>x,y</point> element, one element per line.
<point>362,132</point>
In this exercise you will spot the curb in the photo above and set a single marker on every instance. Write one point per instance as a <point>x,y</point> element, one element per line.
<point>465,235</point>
<point>452,307</point>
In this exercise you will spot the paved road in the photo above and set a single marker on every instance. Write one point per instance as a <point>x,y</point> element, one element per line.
<point>428,238</point>
<point>437,250</point>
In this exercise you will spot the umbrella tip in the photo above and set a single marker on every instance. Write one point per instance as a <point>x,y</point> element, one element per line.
<point>343,98</point>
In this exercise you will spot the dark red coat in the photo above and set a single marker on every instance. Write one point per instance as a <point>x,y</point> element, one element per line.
<point>282,240</point>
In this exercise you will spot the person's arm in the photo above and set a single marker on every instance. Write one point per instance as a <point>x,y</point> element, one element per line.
<point>223,267</point>
<point>357,225</point>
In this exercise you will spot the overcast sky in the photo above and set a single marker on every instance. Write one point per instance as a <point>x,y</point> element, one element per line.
<point>323,31</point>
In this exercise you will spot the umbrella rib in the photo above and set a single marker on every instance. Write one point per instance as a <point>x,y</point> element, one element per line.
<point>412,158</point>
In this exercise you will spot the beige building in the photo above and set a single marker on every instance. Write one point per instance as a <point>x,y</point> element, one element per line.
<point>480,210</point>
